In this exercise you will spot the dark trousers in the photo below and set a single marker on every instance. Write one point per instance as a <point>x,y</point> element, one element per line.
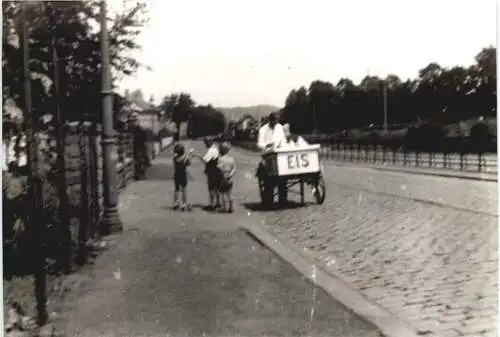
<point>272,183</point>
<point>282,192</point>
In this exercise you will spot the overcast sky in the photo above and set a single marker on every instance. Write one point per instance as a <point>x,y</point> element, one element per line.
<point>239,53</point>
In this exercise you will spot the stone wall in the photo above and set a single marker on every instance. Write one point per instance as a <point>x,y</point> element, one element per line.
<point>84,172</point>
<point>84,175</point>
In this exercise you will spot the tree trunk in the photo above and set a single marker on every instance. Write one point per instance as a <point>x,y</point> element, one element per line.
<point>178,131</point>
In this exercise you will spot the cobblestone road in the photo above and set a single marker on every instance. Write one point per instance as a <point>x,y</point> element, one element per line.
<point>423,247</point>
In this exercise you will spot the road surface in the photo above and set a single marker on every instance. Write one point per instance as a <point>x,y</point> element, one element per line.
<point>195,274</point>
<point>423,247</point>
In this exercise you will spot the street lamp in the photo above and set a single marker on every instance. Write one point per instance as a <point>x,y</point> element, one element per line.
<point>111,222</point>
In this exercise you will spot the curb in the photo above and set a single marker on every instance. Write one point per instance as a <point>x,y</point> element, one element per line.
<point>387,323</point>
<point>437,174</point>
<point>491,178</point>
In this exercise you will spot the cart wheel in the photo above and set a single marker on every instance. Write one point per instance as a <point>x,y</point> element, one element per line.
<point>320,190</point>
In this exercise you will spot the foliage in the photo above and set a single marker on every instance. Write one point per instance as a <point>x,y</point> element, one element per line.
<point>256,111</point>
<point>62,37</point>
<point>437,94</point>
<point>177,107</point>
<point>66,29</point>
<point>424,137</point>
<point>482,136</point>
<point>17,235</point>
<point>205,121</point>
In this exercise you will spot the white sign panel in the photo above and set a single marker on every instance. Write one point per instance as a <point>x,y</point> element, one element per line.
<point>297,162</point>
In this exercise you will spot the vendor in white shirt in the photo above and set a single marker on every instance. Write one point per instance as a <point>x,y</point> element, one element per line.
<point>271,134</point>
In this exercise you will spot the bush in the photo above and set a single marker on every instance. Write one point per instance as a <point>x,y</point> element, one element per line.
<point>482,138</point>
<point>206,121</point>
<point>18,237</point>
<point>14,217</point>
<point>426,137</point>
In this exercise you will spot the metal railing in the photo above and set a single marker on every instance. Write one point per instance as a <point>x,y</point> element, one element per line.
<point>378,154</point>
<point>384,155</point>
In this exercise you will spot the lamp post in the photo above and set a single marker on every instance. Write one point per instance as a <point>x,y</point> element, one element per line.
<point>111,222</point>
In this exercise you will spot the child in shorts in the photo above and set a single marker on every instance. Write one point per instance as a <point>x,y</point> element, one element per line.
<point>227,169</point>
<point>210,160</point>
<point>181,163</point>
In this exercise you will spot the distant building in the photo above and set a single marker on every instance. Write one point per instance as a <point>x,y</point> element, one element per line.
<point>246,122</point>
<point>146,113</point>
<point>246,127</point>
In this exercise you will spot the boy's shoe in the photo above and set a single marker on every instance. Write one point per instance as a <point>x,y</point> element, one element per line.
<point>176,207</point>
<point>183,207</point>
<point>230,210</point>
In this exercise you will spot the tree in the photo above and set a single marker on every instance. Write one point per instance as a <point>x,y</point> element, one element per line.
<point>65,28</point>
<point>296,111</point>
<point>137,95</point>
<point>61,37</point>
<point>392,82</point>
<point>322,99</point>
<point>205,120</point>
<point>437,94</point>
<point>178,107</point>
<point>482,138</point>
<point>486,80</point>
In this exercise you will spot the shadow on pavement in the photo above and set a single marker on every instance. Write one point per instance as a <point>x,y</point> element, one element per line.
<point>206,284</point>
<point>162,171</point>
<point>258,207</point>
<point>193,206</point>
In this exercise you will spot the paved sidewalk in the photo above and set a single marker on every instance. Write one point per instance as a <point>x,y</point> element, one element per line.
<point>195,274</point>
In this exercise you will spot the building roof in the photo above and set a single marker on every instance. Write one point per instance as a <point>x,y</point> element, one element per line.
<point>141,107</point>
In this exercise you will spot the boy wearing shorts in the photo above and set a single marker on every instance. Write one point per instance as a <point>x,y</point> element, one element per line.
<point>181,163</point>
<point>227,168</point>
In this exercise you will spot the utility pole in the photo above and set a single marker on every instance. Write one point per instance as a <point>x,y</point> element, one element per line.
<point>153,132</point>
<point>34,185</point>
<point>111,222</point>
<point>385,107</point>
